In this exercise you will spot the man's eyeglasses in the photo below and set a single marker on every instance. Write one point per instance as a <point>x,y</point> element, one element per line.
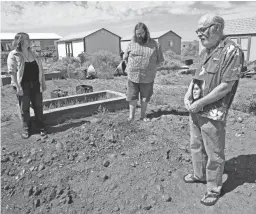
<point>203,29</point>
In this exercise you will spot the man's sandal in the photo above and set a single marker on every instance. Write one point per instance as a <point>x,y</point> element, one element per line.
<point>210,198</point>
<point>145,119</point>
<point>189,178</point>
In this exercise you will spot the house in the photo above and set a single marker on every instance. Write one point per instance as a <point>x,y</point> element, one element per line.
<point>39,41</point>
<point>241,28</point>
<point>167,39</point>
<point>89,41</point>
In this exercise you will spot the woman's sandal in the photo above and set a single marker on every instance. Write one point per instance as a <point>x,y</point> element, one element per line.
<point>210,198</point>
<point>189,178</point>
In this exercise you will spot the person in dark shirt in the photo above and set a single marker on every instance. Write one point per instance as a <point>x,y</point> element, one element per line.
<point>220,66</point>
<point>28,79</point>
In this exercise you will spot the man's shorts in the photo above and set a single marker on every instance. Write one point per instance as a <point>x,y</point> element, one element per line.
<point>145,90</point>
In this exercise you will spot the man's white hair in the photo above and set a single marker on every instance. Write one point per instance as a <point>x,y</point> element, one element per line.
<point>211,18</point>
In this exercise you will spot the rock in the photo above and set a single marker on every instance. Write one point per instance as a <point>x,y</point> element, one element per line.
<point>144,196</point>
<point>106,163</point>
<point>37,191</point>
<point>52,194</point>
<point>147,207</point>
<point>160,188</point>
<point>116,209</point>
<point>32,168</point>
<point>5,159</point>
<point>45,137</point>
<point>52,141</point>
<point>28,192</point>
<point>6,187</point>
<point>105,177</point>
<point>162,179</point>
<point>70,199</point>
<point>59,147</point>
<point>240,119</point>
<point>37,202</point>
<point>33,151</point>
<point>11,158</point>
<point>29,160</point>
<point>41,167</point>
<point>155,119</point>
<point>40,175</point>
<point>167,198</point>
<point>249,194</point>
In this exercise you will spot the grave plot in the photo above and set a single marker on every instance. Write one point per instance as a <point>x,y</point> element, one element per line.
<point>58,110</point>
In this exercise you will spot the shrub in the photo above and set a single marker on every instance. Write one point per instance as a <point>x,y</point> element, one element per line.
<point>245,104</point>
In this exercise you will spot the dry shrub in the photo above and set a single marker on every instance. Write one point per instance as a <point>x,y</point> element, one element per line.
<point>171,61</point>
<point>245,104</point>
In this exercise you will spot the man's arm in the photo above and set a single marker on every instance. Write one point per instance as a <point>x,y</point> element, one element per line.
<point>217,93</point>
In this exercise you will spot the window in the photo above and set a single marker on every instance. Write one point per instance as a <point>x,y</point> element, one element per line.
<point>244,46</point>
<point>170,43</point>
<point>236,40</point>
<point>8,46</point>
<point>69,49</point>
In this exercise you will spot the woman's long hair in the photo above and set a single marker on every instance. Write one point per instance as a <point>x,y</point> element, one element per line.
<point>141,25</point>
<point>19,40</point>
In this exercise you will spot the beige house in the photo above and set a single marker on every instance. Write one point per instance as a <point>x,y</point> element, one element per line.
<point>89,41</point>
<point>39,41</point>
<point>241,28</point>
<point>167,39</point>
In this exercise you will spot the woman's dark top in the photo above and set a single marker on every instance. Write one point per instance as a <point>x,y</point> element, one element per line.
<point>31,72</point>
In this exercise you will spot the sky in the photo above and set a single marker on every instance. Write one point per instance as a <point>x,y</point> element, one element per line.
<point>119,17</point>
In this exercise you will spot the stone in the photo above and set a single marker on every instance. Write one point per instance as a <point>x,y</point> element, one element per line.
<point>11,158</point>
<point>147,207</point>
<point>240,119</point>
<point>28,192</point>
<point>41,167</point>
<point>52,194</point>
<point>160,188</point>
<point>167,198</point>
<point>37,202</point>
<point>116,209</point>
<point>29,160</point>
<point>105,177</point>
<point>59,147</point>
<point>6,187</point>
<point>106,163</point>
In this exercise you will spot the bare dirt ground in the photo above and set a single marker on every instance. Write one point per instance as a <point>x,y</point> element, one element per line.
<point>103,164</point>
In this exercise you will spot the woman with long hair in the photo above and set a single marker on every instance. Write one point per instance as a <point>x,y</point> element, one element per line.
<point>28,79</point>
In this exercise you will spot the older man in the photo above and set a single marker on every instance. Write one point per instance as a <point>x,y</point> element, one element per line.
<point>142,55</point>
<point>220,67</point>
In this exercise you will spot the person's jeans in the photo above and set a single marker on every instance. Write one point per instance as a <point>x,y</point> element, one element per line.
<point>207,143</point>
<point>31,93</point>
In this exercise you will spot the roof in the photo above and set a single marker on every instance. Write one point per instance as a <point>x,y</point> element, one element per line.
<point>10,36</point>
<point>81,35</point>
<point>153,35</point>
<point>240,23</point>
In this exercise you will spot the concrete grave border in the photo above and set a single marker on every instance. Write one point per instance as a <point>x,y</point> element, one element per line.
<point>59,115</point>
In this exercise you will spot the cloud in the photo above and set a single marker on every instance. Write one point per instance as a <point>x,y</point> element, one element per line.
<point>50,14</point>
<point>29,15</point>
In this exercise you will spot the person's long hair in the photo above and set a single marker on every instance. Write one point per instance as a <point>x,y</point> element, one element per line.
<point>19,40</point>
<point>141,25</point>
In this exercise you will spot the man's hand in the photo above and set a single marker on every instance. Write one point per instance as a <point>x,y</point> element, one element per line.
<point>187,103</point>
<point>196,106</point>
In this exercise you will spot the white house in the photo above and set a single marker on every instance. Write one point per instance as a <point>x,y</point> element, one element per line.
<point>89,41</point>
